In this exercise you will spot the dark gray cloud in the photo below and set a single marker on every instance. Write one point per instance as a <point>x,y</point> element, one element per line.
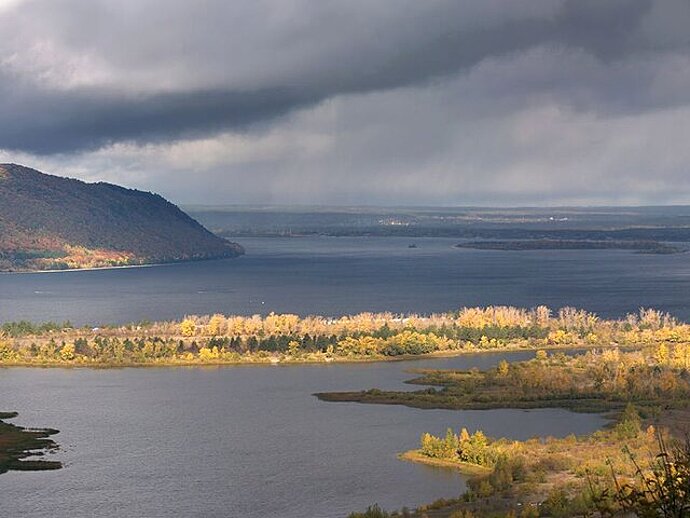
<point>191,73</point>
<point>87,118</point>
<point>350,99</point>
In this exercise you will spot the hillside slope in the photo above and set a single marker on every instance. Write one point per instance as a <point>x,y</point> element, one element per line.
<point>49,222</point>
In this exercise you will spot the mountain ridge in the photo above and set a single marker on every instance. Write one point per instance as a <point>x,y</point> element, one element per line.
<point>51,222</point>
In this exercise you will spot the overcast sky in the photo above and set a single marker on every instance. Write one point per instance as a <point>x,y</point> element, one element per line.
<point>418,102</point>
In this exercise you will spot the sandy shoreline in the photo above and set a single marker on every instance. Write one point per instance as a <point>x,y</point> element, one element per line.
<point>69,270</point>
<point>292,362</point>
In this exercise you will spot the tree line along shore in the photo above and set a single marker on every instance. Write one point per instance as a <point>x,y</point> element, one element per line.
<point>286,338</point>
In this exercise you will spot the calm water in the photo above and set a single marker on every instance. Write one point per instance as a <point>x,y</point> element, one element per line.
<point>252,441</point>
<point>239,441</point>
<point>326,275</point>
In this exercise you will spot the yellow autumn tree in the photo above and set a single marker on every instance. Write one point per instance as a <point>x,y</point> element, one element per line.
<point>7,352</point>
<point>67,352</point>
<point>661,353</point>
<point>207,354</point>
<point>188,327</point>
<point>216,325</point>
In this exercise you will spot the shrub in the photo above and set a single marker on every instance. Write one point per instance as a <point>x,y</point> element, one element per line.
<point>373,511</point>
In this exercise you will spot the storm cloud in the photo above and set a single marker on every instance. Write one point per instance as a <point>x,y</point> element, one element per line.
<point>399,101</point>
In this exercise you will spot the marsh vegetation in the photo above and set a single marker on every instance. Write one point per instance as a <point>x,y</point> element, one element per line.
<point>638,465</point>
<point>17,444</point>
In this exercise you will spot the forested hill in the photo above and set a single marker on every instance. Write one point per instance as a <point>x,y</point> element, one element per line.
<point>49,222</point>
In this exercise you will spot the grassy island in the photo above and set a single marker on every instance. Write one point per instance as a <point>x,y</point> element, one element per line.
<point>286,338</point>
<point>599,380</point>
<point>632,466</point>
<point>573,476</point>
<point>17,444</point>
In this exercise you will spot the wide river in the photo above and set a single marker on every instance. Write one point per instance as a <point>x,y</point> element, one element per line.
<point>249,442</point>
<point>333,276</point>
<point>253,441</point>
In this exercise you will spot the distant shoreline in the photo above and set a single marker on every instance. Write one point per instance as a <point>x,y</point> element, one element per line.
<point>97,268</point>
<point>120,267</point>
<point>299,362</point>
<point>519,245</point>
<point>466,468</point>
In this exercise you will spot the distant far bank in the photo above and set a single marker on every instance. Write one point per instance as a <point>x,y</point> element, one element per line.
<point>642,247</point>
<point>49,223</point>
<point>623,225</point>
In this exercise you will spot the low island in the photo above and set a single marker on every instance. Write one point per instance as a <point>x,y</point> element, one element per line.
<point>287,338</point>
<point>17,444</point>
<point>643,247</point>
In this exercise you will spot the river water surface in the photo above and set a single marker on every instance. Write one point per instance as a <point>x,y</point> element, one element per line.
<point>248,442</point>
<point>253,441</point>
<point>340,275</point>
